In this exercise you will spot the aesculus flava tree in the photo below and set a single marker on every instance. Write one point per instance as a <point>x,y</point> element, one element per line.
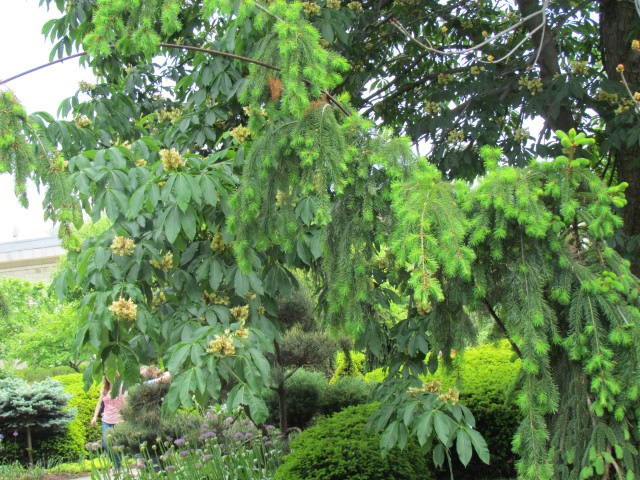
<point>221,183</point>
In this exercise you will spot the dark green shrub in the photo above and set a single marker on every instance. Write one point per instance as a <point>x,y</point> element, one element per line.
<point>339,448</point>
<point>345,392</point>
<point>304,398</point>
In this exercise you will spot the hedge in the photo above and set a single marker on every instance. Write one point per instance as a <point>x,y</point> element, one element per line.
<point>339,448</point>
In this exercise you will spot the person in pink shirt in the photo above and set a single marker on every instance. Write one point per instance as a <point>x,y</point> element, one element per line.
<point>112,413</point>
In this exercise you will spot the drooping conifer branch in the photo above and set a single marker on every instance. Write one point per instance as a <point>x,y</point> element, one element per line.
<point>502,328</point>
<point>209,51</point>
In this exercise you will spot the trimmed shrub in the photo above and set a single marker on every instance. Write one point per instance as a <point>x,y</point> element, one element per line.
<point>346,392</point>
<point>304,397</point>
<point>348,366</point>
<point>339,448</point>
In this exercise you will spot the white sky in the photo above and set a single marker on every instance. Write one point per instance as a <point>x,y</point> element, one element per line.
<point>24,47</point>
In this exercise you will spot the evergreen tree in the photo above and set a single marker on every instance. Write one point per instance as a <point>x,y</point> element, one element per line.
<point>208,221</point>
<point>40,406</point>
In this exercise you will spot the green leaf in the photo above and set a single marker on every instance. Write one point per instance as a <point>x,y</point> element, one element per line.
<point>182,191</point>
<point>442,423</point>
<point>438,455</point>
<point>241,283</point>
<point>306,210</point>
<point>390,436</point>
<point>479,445</point>
<point>178,357</point>
<point>137,201</point>
<point>424,427</point>
<point>463,446</point>
<point>216,272</point>
<point>188,222</point>
<point>172,224</point>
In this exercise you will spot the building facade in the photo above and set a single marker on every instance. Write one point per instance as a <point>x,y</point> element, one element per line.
<point>34,260</point>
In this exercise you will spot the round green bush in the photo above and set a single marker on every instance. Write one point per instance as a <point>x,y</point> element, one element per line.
<point>339,448</point>
<point>304,390</point>
<point>345,392</point>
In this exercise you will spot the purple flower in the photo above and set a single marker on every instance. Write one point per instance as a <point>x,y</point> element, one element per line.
<point>179,441</point>
<point>170,468</point>
<point>229,419</point>
<point>206,435</point>
<point>269,427</point>
<point>184,453</point>
<point>1,436</point>
<point>88,445</point>
<point>15,433</point>
<point>238,435</point>
<point>206,457</point>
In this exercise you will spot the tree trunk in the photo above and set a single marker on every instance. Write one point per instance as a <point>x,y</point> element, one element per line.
<point>29,448</point>
<point>617,20</point>
<point>282,406</point>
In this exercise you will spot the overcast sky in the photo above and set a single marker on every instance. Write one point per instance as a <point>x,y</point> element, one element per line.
<point>24,47</point>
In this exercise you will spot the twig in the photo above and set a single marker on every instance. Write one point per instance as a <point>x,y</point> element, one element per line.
<point>209,51</point>
<point>502,327</point>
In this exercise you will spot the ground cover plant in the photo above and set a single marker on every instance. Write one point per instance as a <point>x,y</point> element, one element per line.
<point>258,163</point>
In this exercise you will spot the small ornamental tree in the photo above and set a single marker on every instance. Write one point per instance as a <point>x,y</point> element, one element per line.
<point>39,406</point>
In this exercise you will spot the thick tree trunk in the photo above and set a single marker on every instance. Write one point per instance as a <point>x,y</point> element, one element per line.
<point>617,19</point>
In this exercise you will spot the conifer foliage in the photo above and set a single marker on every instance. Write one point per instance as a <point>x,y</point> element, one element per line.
<point>212,209</point>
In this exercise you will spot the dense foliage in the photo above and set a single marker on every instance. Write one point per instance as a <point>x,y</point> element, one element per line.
<point>220,188</point>
<point>340,448</point>
<point>35,407</point>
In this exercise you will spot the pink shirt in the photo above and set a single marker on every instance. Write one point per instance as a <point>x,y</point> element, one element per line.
<point>113,408</point>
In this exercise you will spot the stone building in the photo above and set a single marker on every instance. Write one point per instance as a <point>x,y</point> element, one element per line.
<point>34,260</point>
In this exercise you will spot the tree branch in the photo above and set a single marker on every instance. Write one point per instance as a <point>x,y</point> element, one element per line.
<point>194,49</point>
<point>502,327</point>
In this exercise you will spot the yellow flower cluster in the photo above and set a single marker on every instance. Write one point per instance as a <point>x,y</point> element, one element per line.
<point>242,332</point>
<point>124,309</point>
<point>240,313</point>
<point>456,136</point>
<point>213,299</point>
<point>355,6</point>
<point>222,344</point>
<point>250,295</point>
<point>476,70</point>
<point>217,244</point>
<point>122,246</point>
<point>635,45</point>
<point>172,115</point>
<point>141,163</point>
<point>432,107</point>
<point>423,308</point>
<point>534,85</point>
<point>86,87</point>
<point>311,8</point>
<point>451,396</point>
<point>158,299</point>
<point>240,133</point>
<point>429,387</point>
<point>335,4</point>
<point>171,159</point>
<point>445,78</point>
<point>521,134</point>
<point>578,68</point>
<point>603,96</point>
<point>82,121</point>
<point>165,264</point>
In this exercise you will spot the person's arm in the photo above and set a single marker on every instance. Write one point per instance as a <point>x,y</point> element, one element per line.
<point>94,420</point>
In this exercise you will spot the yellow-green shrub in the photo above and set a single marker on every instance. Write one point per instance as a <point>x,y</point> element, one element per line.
<point>352,366</point>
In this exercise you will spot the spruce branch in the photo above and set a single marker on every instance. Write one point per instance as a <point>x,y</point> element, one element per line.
<point>493,314</point>
<point>209,51</point>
